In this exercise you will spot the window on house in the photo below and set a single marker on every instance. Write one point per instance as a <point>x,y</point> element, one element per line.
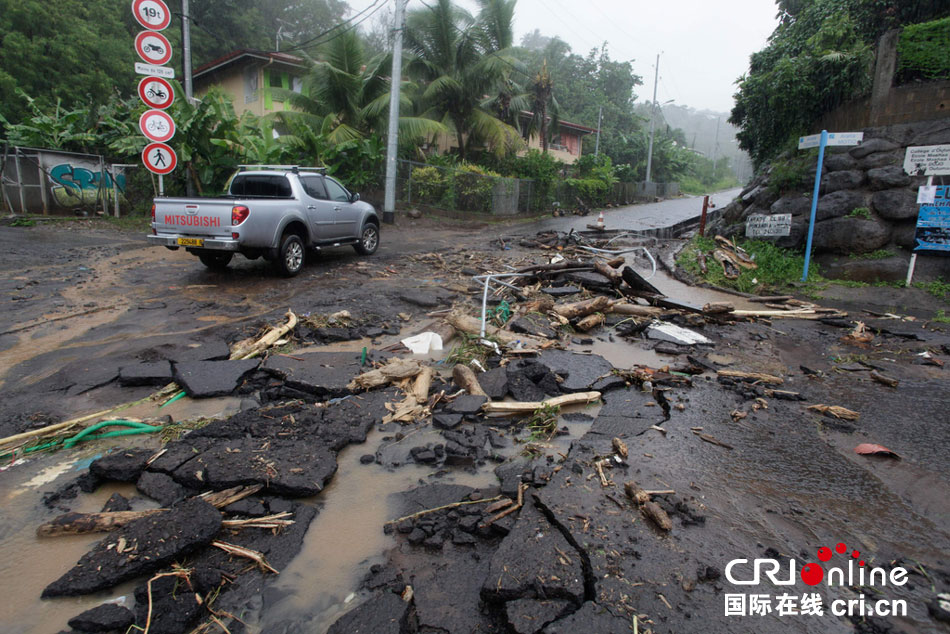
<point>275,79</point>
<point>250,85</point>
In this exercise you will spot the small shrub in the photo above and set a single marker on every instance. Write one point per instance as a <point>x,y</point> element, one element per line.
<point>428,185</point>
<point>860,212</point>
<point>473,187</point>
<point>880,254</point>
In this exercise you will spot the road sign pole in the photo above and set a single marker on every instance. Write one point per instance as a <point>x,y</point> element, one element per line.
<point>161,185</point>
<point>814,202</point>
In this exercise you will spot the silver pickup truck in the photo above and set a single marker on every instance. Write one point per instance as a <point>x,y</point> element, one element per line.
<point>275,212</point>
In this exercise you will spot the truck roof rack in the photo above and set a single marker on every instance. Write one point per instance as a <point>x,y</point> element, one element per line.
<point>293,168</point>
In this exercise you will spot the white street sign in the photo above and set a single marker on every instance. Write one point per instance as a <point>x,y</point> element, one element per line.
<point>845,138</point>
<point>927,160</point>
<point>805,142</point>
<point>762,226</point>
<point>154,71</point>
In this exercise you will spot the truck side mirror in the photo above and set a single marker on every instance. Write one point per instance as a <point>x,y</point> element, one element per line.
<point>354,197</point>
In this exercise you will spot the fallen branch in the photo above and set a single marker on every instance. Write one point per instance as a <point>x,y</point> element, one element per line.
<point>246,553</point>
<point>220,499</point>
<point>650,509</point>
<point>590,322</point>
<point>465,378</point>
<point>835,411</point>
<point>713,440</point>
<point>421,385</point>
<point>635,310</point>
<point>583,308</point>
<point>83,523</point>
<point>395,370</point>
<point>751,376</point>
<point>514,507</point>
<point>884,379</point>
<point>278,520</point>
<point>446,506</point>
<point>523,407</point>
<point>250,348</point>
<point>473,326</point>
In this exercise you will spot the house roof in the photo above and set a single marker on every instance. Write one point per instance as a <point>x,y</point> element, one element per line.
<point>245,54</point>
<point>565,124</point>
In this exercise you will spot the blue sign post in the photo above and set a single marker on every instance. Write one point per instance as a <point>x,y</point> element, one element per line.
<point>823,141</point>
<point>820,141</point>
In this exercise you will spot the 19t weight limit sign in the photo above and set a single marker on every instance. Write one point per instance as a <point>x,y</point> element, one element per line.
<point>152,14</point>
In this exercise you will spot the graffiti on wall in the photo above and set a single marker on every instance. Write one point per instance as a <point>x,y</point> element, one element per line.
<point>75,185</point>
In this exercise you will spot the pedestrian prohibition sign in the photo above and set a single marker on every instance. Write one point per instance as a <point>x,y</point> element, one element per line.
<point>159,158</point>
<point>153,47</point>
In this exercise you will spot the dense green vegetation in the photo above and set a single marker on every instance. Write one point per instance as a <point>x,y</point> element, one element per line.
<point>68,84</point>
<point>924,51</point>
<point>820,56</point>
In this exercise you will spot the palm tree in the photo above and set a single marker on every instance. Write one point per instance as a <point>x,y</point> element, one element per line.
<point>458,62</point>
<point>345,96</point>
<point>544,108</point>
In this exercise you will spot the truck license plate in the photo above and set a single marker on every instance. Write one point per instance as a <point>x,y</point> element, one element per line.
<point>191,242</point>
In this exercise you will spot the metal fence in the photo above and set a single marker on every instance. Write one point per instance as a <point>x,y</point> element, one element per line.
<point>470,190</point>
<point>39,181</point>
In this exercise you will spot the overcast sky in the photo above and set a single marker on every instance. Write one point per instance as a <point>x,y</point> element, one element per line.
<point>704,45</point>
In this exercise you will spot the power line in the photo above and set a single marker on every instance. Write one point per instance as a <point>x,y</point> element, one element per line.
<point>313,41</point>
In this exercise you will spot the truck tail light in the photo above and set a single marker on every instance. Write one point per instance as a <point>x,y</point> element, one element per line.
<point>239,214</point>
<point>154,231</point>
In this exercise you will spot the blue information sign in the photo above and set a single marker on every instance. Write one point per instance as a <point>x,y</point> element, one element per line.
<point>933,223</point>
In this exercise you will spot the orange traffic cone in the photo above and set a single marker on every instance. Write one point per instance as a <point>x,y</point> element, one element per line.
<point>600,220</point>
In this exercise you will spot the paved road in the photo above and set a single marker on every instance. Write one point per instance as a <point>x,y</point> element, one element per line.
<point>650,216</point>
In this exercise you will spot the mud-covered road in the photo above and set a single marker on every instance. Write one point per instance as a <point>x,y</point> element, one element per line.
<point>743,468</point>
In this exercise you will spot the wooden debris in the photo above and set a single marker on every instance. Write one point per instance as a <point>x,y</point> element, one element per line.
<point>835,411</point>
<point>650,509</point>
<point>599,465</point>
<point>607,271</point>
<point>220,499</point>
<point>583,308</point>
<point>860,335</point>
<point>884,379</point>
<point>466,379</point>
<point>590,322</point>
<point>729,268</point>
<point>421,384</point>
<point>713,440</point>
<point>473,326</point>
<point>620,447</point>
<point>718,308</point>
<point>278,520</point>
<point>516,506</point>
<point>701,259</point>
<point>394,370</point>
<point>634,310</point>
<point>246,553</point>
<point>250,348</point>
<point>751,376</point>
<point>522,407</point>
<point>771,298</point>
<point>497,498</point>
<point>83,523</point>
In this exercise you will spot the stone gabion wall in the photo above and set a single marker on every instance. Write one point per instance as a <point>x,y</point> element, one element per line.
<point>868,176</point>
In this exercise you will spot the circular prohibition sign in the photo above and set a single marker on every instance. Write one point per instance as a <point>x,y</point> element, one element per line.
<point>159,158</point>
<point>153,47</point>
<point>152,14</point>
<point>158,126</point>
<point>156,92</point>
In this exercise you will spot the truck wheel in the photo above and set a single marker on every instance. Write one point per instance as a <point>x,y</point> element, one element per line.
<point>291,256</point>
<point>369,239</point>
<point>216,261</point>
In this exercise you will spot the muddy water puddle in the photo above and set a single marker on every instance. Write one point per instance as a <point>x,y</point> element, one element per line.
<point>37,562</point>
<point>346,538</point>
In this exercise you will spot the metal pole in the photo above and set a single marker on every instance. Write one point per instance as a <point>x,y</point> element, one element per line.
<point>19,180</point>
<point>814,202</point>
<point>186,49</point>
<point>161,185</point>
<point>389,203</point>
<point>44,195</point>
<point>600,120</point>
<point>115,190</point>
<point>186,71</point>
<point>656,79</point>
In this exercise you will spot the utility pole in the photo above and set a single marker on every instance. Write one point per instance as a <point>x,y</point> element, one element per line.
<point>186,71</point>
<point>656,80</point>
<point>716,145</point>
<point>389,202</point>
<point>600,120</point>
